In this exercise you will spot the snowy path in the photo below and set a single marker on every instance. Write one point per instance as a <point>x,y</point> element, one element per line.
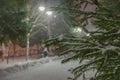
<point>49,71</point>
<point>52,70</point>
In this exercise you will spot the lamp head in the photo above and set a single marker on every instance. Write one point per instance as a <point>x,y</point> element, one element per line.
<point>41,8</point>
<point>49,13</point>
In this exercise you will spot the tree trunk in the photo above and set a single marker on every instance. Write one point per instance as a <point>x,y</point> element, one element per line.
<point>28,46</point>
<point>40,50</point>
<point>8,57</point>
<point>9,45</point>
<point>3,51</point>
<point>14,51</point>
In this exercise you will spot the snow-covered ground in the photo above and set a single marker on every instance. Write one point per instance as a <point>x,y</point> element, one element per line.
<point>43,69</point>
<point>12,62</point>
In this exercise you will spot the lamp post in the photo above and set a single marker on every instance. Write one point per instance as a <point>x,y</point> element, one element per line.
<point>48,17</point>
<point>49,13</point>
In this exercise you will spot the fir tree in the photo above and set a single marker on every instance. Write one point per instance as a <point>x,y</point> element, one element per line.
<point>12,19</point>
<point>101,48</point>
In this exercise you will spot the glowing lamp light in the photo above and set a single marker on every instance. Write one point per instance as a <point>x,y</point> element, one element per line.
<point>88,34</point>
<point>49,12</point>
<point>79,29</point>
<point>41,8</point>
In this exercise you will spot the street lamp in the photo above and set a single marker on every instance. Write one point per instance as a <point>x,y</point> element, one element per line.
<point>41,8</point>
<point>48,17</point>
<point>49,13</point>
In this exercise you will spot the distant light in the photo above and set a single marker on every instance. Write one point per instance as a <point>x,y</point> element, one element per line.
<point>88,34</point>
<point>49,13</point>
<point>27,19</point>
<point>41,8</point>
<point>79,29</point>
<point>46,27</point>
<point>54,16</point>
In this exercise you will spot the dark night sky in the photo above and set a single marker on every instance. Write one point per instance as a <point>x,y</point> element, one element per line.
<point>54,3</point>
